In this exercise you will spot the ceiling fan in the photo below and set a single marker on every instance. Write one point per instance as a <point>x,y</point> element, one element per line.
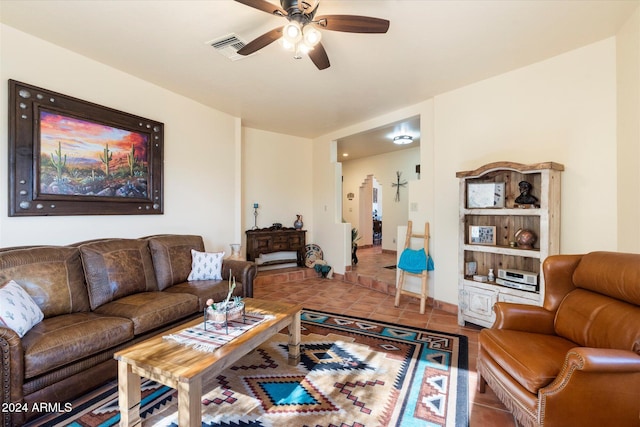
<point>301,33</point>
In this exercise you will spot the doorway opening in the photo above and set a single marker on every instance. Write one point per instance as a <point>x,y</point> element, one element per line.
<point>370,162</point>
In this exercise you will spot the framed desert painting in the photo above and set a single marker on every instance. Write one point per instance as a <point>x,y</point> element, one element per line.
<point>73,157</point>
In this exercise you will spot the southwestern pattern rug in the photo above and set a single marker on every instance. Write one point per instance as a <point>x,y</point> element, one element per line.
<point>353,372</point>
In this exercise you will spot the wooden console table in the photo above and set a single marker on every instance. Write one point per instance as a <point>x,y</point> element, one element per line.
<point>268,240</point>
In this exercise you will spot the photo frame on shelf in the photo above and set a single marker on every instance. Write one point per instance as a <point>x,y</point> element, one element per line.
<point>482,235</point>
<point>485,195</point>
<point>73,157</point>
<point>470,268</point>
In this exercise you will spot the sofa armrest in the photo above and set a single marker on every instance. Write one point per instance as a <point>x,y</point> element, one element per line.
<point>523,317</point>
<point>244,272</point>
<point>606,382</point>
<point>12,374</point>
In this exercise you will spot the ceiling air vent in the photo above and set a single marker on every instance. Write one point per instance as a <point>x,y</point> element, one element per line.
<point>228,46</point>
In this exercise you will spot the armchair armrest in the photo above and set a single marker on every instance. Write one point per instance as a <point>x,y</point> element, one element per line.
<point>606,382</point>
<point>12,374</point>
<point>523,317</point>
<point>602,360</point>
<point>244,271</point>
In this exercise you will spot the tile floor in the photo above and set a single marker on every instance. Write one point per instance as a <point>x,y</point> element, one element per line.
<point>343,297</point>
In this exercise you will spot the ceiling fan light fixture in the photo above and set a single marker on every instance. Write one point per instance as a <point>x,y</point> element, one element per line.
<point>304,48</point>
<point>402,139</point>
<point>292,32</point>
<point>286,45</point>
<point>311,35</point>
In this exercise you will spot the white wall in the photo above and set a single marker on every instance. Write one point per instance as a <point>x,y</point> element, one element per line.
<point>562,109</point>
<point>201,150</point>
<point>628,75</point>
<point>383,167</point>
<point>277,176</point>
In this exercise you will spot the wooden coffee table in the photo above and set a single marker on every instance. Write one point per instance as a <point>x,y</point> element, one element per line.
<point>181,367</point>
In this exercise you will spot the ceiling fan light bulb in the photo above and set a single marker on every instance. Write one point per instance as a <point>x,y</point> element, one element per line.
<point>311,35</point>
<point>292,32</point>
<point>287,45</point>
<point>304,48</point>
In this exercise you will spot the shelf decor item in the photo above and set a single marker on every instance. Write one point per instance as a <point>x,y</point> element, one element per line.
<point>482,235</point>
<point>470,268</point>
<point>485,195</point>
<point>526,199</point>
<point>525,238</point>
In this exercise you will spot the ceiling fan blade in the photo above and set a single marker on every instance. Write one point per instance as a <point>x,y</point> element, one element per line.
<point>262,41</point>
<point>264,6</point>
<point>319,57</point>
<point>352,23</point>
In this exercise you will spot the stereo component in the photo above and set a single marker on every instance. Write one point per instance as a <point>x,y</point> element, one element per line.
<point>516,285</point>
<point>518,276</point>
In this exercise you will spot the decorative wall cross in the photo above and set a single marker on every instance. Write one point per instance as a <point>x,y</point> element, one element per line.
<point>398,184</point>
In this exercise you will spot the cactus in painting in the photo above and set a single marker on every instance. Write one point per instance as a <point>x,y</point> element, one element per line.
<point>105,158</point>
<point>60,162</point>
<point>131,159</point>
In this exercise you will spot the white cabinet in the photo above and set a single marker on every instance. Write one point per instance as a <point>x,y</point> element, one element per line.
<point>477,304</point>
<point>490,217</point>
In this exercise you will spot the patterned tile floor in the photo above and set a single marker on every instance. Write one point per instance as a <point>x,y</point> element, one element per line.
<point>347,298</point>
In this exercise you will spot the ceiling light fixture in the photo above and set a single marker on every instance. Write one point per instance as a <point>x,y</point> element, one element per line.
<point>300,38</point>
<point>402,139</point>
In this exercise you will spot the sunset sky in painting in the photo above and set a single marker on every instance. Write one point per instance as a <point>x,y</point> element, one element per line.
<point>80,138</point>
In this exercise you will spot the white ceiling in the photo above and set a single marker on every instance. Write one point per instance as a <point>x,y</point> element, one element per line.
<point>431,47</point>
<point>378,141</point>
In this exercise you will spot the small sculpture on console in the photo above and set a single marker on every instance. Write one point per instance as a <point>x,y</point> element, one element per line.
<point>525,198</point>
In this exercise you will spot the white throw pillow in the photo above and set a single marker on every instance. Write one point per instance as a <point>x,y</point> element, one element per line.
<point>206,265</point>
<point>18,311</point>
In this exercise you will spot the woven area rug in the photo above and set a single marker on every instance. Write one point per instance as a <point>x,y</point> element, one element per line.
<point>353,372</point>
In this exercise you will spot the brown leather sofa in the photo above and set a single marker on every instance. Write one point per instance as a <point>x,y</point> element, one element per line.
<point>575,361</point>
<point>98,297</point>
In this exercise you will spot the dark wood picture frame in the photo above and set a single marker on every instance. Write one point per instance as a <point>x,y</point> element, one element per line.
<point>72,157</point>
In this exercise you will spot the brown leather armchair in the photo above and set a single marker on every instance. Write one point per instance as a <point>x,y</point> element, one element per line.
<point>575,361</point>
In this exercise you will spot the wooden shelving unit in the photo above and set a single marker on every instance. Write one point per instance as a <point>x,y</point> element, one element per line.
<point>476,298</point>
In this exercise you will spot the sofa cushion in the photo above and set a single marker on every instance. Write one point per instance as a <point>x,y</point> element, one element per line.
<point>51,275</point>
<point>206,265</point>
<point>205,289</point>
<point>59,340</point>
<point>594,320</point>
<point>171,254</point>
<point>117,268</point>
<point>150,310</point>
<point>534,365</point>
<point>18,312</point>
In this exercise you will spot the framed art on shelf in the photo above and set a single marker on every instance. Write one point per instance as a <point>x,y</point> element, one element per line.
<point>482,235</point>
<point>73,157</point>
<point>485,195</point>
